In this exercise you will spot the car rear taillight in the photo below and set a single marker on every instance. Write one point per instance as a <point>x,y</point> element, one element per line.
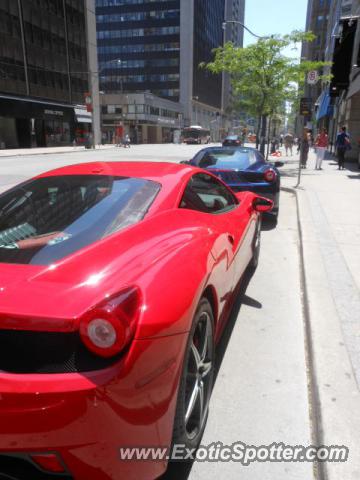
<point>49,462</point>
<point>270,175</point>
<point>109,327</point>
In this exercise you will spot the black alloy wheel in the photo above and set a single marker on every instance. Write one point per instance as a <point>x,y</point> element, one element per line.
<point>196,380</point>
<point>256,246</point>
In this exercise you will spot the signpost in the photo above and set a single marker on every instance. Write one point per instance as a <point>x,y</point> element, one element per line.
<point>88,102</point>
<point>313,77</point>
<point>305,112</point>
<point>305,106</point>
<point>89,108</point>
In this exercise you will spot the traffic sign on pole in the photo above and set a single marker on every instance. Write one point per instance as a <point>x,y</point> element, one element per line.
<point>88,102</point>
<point>312,77</point>
<point>305,106</point>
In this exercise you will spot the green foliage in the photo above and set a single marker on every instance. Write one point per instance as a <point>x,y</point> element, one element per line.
<point>262,77</point>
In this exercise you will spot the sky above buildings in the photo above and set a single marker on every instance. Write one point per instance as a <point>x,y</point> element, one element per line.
<point>266,17</point>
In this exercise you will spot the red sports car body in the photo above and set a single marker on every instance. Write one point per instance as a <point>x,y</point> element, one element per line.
<point>102,269</point>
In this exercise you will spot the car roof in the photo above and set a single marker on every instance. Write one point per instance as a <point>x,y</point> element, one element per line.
<point>240,149</point>
<point>160,172</point>
<point>170,175</point>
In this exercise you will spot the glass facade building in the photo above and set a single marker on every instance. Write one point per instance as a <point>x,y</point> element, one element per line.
<point>208,34</point>
<point>43,70</point>
<point>138,46</point>
<point>156,46</point>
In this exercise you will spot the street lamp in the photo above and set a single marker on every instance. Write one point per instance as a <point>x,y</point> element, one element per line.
<point>244,26</point>
<point>118,62</point>
<point>91,76</point>
<point>196,98</point>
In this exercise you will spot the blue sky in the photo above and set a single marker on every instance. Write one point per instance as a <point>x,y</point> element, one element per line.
<point>267,17</point>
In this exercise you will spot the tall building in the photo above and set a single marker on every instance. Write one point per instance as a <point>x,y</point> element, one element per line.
<point>338,102</point>
<point>233,32</point>
<point>345,84</point>
<point>149,56</point>
<point>44,71</point>
<point>317,21</point>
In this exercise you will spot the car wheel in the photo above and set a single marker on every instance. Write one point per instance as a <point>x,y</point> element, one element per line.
<point>196,380</point>
<point>256,246</point>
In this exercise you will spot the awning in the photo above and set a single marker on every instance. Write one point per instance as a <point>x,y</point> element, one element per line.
<point>27,107</point>
<point>82,116</point>
<point>342,56</point>
<point>354,85</point>
<point>324,105</point>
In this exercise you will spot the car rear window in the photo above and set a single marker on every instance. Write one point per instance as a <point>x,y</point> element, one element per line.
<point>45,219</point>
<point>226,159</point>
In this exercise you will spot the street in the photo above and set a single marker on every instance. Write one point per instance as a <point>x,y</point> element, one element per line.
<point>270,380</point>
<point>289,361</point>
<point>156,323</point>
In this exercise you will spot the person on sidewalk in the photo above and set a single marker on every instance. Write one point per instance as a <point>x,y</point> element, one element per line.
<point>289,142</point>
<point>126,141</point>
<point>342,145</point>
<point>321,144</point>
<point>304,148</point>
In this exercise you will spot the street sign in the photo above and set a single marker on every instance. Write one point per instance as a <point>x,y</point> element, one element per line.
<point>305,106</point>
<point>88,102</point>
<point>312,77</point>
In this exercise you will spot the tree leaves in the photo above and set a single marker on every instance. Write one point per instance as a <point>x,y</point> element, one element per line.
<point>263,78</point>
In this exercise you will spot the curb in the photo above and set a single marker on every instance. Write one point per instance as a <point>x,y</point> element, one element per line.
<point>313,390</point>
<point>53,153</point>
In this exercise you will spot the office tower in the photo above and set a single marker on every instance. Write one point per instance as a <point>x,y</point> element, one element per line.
<point>233,32</point>
<point>44,71</point>
<point>149,55</point>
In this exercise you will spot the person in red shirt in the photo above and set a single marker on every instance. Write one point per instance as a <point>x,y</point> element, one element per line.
<point>322,142</point>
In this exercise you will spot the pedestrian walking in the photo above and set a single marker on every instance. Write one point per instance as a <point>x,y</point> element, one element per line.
<point>304,148</point>
<point>321,144</point>
<point>342,145</point>
<point>127,141</point>
<point>289,142</point>
<point>311,138</point>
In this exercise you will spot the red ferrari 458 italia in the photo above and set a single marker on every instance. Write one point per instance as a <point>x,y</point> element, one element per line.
<point>116,280</point>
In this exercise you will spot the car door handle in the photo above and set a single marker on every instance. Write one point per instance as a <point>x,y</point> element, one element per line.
<point>231,239</point>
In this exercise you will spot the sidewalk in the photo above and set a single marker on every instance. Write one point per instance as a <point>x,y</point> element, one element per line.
<point>328,203</point>
<point>46,150</point>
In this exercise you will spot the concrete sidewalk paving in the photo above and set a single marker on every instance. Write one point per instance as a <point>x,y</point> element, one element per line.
<point>329,220</point>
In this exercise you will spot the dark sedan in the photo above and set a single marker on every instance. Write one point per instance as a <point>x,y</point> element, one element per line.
<point>232,141</point>
<point>242,169</point>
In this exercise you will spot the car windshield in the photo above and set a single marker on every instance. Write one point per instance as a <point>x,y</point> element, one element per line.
<point>191,133</point>
<point>43,220</point>
<point>226,159</point>
<point>232,137</point>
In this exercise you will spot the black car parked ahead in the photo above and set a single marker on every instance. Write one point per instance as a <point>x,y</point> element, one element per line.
<point>242,168</point>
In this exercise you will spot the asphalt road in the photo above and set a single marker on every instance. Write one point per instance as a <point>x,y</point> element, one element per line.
<point>16,169</point>
<point>260,395</point>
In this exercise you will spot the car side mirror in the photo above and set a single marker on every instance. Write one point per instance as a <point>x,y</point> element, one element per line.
<point>278,164</point>
<point>261,204</point>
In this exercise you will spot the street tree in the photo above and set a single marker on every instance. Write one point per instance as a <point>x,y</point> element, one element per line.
<point>263,78</point>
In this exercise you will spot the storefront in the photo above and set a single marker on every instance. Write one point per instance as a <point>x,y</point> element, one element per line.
<point>26,123</point>
<point>83,121</point>
<point>143,116</point>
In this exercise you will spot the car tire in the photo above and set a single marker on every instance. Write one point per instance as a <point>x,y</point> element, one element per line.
<point>256,247</point>
<point>196,379</point>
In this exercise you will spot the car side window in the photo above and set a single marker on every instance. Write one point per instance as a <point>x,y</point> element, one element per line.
<point>252,158</point>
<point>259,157</point>
<point>197,158</point>
<point>205,193</point>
